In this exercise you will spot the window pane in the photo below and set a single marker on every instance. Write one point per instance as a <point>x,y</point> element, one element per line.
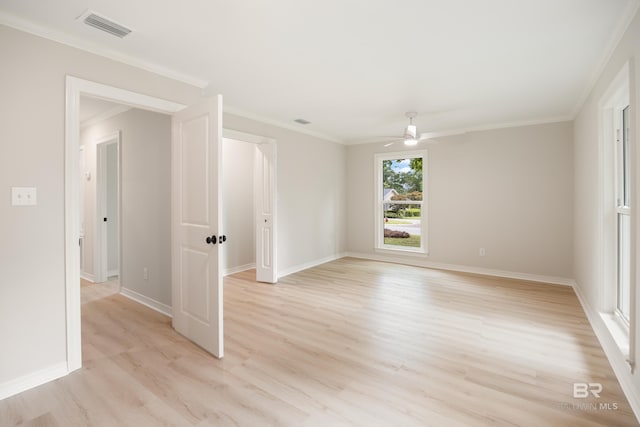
<point>624,263</point>
<point>402,225</point>
<point>626,158</point>
<point>402,179</point>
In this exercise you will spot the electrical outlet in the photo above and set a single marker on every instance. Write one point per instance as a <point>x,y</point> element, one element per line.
<point>23,196</point>
<point>145,273</point>
<point>482,252</point>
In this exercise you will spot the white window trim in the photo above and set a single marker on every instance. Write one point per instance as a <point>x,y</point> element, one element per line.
<point>612,102</point>
<point>620,208</point>
<point>379,245</point>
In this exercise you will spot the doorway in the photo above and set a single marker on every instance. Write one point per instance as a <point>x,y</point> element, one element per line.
<point>249,189</point>
<point>238,212</point>
<point>99,183</point>
<point>74,89</point>
<point>128,203</point>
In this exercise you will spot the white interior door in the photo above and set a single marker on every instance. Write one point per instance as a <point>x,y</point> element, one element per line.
<point>196,219</point>
<point>265,203</point>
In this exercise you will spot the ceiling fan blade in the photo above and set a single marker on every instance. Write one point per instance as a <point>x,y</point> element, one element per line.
<point>427,140</point>
<point>427,135</point>
<point>395,141</point>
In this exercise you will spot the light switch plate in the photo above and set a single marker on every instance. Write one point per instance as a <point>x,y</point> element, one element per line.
<point>23,196</point>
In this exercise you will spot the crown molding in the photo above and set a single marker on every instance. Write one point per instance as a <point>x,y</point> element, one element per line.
<point>505,125</point>
<point>75,42</point>
<point>93,48</point>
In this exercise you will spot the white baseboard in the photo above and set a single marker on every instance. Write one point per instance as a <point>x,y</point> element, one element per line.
<point>112,273</point>
<point>144,300</point>
<point>87,276</point>
<point>464,268</point>
<point>32,380</point>
<point>310,264</point>
<point>613,353</point>
<point>238,269</point>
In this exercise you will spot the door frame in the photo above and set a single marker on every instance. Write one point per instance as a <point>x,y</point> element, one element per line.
<point>258,193</point>
<point>76,87</point>
<point>101,243</point>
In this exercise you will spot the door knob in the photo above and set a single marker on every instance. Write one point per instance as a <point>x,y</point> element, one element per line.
<point>223,238</point>
<point>212,240</point>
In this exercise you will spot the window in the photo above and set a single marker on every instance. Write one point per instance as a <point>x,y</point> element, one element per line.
<point>400,220</point>
<point>616,163</point>
<point>623,213</point>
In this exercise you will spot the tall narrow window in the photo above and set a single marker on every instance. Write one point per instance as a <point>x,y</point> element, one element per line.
<point>617,191</point>
<point>400,205</point>
<point>623,214</point>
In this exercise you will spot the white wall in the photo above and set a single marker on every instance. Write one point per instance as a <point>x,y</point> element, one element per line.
<point>145,147</point>
<point>238,216</point>
<point>508,191</point>
<point>588,217</point>
<point>32,294</point>
<point>311,173</point>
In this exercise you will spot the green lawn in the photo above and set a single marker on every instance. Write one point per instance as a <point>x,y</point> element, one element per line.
<point>412,241</point>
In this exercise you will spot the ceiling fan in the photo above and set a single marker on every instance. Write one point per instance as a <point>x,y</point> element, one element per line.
<point>410,136</point>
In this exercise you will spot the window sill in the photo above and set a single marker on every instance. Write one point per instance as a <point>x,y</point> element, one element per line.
<point>619,332</point>
<point>404,252</point>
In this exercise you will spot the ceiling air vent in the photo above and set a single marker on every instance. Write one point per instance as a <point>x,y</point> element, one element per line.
<point>104,24</point>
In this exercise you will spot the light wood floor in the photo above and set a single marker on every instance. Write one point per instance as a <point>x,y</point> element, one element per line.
<point>90,291</point>
<point>349,343</point>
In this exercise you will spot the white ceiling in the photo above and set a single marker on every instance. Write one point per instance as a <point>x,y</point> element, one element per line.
<point>353,67</point>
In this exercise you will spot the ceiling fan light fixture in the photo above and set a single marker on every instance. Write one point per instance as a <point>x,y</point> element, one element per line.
<point>411,131</point>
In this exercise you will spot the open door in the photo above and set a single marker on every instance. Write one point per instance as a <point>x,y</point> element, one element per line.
<point>196,221</point>
<point>265,204</point>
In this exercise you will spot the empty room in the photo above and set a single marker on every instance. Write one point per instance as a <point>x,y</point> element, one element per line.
<point>337,213</point>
